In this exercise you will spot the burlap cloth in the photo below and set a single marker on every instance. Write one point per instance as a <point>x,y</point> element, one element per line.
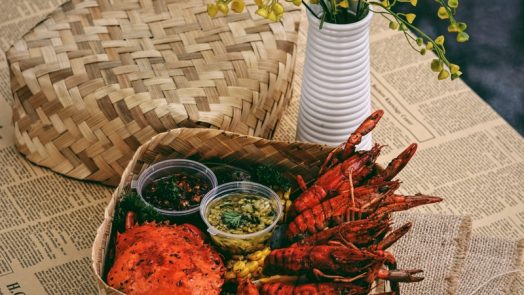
<point>454,261</point>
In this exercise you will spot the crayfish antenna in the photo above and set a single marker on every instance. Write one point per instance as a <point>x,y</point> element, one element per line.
<point>336,278</point>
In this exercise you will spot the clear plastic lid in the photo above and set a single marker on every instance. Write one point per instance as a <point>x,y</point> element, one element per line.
<point>167,168</point>
<point>243,187</point>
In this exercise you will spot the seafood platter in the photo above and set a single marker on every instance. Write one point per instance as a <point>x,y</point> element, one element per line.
<point>202,225</point>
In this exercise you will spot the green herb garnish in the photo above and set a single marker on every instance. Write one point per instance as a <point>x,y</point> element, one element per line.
<point>131,201</point>
<point>232,219</point>
<point>271,176</point>
<point>169,189</point>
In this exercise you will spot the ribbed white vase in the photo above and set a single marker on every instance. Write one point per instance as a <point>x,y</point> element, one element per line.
<point>336,85</point>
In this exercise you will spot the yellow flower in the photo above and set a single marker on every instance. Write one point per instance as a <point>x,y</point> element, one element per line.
<point>462,37</point>
<point>443,75</point>
<point>238,5</point>
<point>453,28</point>
<point>436,65</point>
<point>278,9</point>
<point>442,13</point>
<point>453,68</point>
<point>222,7</point>
<point>413,2</point>
<point>212,9</point>
<point>259,3</point>
<point>297,2</point>
<point>272,16</point>
<point>343,4</point>
<point>429,46</point>
<point>410,17</point>
<point>262,11</point>
<point>313,1</point>
<point>439,40</point>
<point>393,25</point>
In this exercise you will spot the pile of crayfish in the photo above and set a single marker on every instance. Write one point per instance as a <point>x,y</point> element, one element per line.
<point>340,227</point>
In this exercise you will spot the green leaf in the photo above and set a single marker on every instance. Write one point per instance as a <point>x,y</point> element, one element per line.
<point>271,177</point>
<point>131,201</point>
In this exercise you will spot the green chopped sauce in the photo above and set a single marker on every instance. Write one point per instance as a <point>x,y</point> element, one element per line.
<point>241,213</point>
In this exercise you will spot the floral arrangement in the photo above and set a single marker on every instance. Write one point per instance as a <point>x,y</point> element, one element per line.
<point>350,11</point>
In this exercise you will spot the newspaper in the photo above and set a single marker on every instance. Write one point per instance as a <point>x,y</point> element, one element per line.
<point>47,222</point>
<point>467,154</point>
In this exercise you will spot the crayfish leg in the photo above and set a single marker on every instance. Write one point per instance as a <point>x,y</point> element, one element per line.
<point>301,183</point>
<point>336,278</point>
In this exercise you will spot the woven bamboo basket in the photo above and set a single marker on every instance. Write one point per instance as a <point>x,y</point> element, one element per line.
<point>205,145</point>
<point>98,78</point>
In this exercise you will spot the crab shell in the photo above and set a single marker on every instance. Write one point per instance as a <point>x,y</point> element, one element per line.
<point>165,259</point>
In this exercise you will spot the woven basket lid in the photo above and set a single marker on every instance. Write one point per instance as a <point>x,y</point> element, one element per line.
<point>97,79</point>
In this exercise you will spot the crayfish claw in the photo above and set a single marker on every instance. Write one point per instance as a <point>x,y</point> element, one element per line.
<point>400,275</point>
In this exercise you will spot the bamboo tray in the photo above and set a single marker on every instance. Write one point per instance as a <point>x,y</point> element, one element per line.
<point>206,145</point>
<point>97,79</point>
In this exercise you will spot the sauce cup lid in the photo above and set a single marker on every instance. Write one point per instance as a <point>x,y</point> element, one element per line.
<point>163,169</point>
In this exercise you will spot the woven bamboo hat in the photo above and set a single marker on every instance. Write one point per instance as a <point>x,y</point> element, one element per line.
<point>97,79</point>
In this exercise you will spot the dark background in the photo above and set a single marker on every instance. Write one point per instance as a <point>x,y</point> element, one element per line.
<point>492,61</point>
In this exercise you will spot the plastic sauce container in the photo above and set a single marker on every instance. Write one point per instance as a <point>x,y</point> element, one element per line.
<point>241,243</point>
<point>169,168</point>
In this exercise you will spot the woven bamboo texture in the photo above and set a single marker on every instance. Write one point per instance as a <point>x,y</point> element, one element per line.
<point>97,79</point>
<point>206,145</point>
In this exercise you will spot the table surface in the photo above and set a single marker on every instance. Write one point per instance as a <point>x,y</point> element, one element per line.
<point>467,153</point>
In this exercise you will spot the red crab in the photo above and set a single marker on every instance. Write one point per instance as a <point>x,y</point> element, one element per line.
<point>165,259</point>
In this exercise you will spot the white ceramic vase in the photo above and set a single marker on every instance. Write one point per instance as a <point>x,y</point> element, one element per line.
<point>336,85</point>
